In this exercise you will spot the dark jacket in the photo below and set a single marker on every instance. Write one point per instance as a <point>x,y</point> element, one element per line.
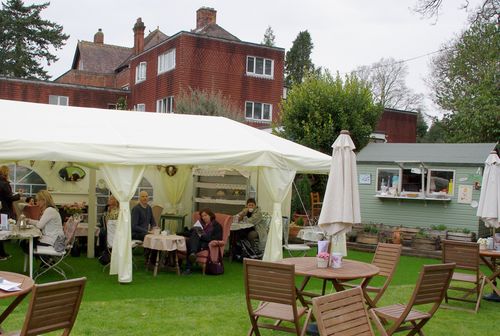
<point>7,198</point>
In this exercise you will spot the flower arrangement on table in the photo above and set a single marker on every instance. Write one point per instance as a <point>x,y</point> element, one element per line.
<point>74,209</point>
<point>322,259</point>
<point>483,243</point>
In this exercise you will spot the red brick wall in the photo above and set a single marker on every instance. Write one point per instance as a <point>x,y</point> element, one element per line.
<point>399,126</point>
<point>38,92</point>
<point>209,64</point>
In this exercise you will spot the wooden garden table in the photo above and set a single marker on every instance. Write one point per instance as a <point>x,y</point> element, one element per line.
<point>26,286</point>
<point>350,270</point>
<point>490,259</point>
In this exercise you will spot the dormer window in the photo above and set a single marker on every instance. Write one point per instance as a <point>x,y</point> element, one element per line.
<point>260,67</point>
<point>140,72</point>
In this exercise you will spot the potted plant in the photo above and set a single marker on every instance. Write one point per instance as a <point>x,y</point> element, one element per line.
<point>294,228</point>
<point>461,235</point>
<point>322,259</point>
<point>369,235</point>
<point>424,241</point>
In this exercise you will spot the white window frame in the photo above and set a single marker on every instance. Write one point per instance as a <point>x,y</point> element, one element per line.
<point>140,107</point>
<point>253,118</point>
<point>166,61</point>
<point>429,174</point>
<point>252,71</point>
<point>392,169</point>
<point>165,105</point>
<point>60,100</point>
<point>140,72</point>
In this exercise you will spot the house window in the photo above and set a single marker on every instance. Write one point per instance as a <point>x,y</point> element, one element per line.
<point>58,100</point>
<point>165,105</point>
<point>440,181</point>
<point>387,178</point>
<point>258,111</point>
<point>166,61</point>
<point>140,72</point>
<point>261,67</point>
<point>140,107</point>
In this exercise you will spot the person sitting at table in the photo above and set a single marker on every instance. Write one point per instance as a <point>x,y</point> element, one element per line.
<point>251,214</point>
<point>110,213</point>
<point>7,198</point>
<point>50,223</point>
<point>30,201</point>
<point>142,217</point>
<point>202,233</point>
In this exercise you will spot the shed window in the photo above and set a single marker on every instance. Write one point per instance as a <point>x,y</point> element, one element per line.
<point>441,181</point>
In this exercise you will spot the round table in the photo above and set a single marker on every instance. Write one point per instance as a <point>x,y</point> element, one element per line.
<point>166,243</point>
<point>350,270</point>
<point>493,255</point>
<point>26,286</point>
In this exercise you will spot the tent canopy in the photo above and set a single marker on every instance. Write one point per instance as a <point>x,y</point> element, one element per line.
<point>122,143</point>
<point>75,134</point>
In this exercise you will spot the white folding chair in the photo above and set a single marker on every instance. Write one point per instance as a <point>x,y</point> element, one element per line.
<point>294,250</point>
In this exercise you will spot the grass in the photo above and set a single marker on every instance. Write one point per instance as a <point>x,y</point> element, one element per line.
<point>210,305</point>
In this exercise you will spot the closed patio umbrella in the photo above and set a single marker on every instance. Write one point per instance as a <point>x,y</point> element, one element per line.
<point>489,200</point>
<point>340,209</point>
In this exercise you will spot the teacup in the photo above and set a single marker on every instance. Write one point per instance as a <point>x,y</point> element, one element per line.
<point>336,260</point>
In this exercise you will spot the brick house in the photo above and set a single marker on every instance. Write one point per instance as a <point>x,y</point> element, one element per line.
<point>152,73</point>
<point>158,68</point>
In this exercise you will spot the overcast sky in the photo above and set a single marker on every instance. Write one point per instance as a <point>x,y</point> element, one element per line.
<point>346,33</point>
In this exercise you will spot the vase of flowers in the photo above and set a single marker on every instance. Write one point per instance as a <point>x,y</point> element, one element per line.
<point>483,243</point>
<point>75,210</point>
<point>322,259</point>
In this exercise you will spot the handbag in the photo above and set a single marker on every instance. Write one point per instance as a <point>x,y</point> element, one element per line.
<point>215,267</point>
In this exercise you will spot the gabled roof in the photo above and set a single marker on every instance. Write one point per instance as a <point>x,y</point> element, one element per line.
<point>155,37</point>
<point>440,153</point>
<point>100,58</point>
<point>214,30</point>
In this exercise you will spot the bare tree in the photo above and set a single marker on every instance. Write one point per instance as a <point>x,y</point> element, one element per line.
<point>487,10</point>
<point>387,80</point>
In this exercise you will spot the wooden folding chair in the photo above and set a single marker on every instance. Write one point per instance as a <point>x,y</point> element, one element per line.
<point>431,287</point>
<point>316,205</point>
<point>466,256</point>
<point>386,258</point>
<point>342,313</point>
<point>273,285</point>
<point>53,306</point>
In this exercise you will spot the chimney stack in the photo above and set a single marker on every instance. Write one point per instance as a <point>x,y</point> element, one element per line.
<point>205,16</point>
<point>139,36</point>
<point>99,37</point>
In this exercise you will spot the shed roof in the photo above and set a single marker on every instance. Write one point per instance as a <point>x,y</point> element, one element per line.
<point>456,153</point>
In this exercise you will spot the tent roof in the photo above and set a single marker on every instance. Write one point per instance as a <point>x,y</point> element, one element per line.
<point>76,134</point>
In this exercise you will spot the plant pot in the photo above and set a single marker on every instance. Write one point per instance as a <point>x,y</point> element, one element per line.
<point>322,263</point>
<point>367,238</point>
<point>293,231</point>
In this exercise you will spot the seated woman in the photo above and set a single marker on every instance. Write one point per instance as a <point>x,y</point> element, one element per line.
<point>200,235</point>
<point>50,223</point>
<point>110,213</point>
<point>255,235</point>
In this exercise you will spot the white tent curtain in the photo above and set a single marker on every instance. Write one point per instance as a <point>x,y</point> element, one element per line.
<point>278,183</point>
<point>174,186</point>
<point>122,181</point>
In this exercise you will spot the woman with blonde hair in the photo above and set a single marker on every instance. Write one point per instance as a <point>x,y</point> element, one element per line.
<point>7,198</point>
<point>50,223</point>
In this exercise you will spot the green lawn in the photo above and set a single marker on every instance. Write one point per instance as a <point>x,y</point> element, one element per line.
<point>206,305</point>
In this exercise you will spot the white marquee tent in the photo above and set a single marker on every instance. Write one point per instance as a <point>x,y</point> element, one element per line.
<point>123,143</point>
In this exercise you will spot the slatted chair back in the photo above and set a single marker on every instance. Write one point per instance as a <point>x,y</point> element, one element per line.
<point>466,256</point>
<point>273,285</point>
<point>342,313</point>
<point>53,306</point>
<point>157,210</point>
<point>316,205</point>
<point>70,230</point>
<point>432,283</point>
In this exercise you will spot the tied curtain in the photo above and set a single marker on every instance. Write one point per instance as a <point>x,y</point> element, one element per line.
<point>279,183</point>
<point>123,182</point>
<point>174,186</point>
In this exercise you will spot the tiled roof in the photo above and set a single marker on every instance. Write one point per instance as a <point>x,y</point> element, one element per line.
<point>214,30</point>
<point>154,38</point>
<point>100,58</point>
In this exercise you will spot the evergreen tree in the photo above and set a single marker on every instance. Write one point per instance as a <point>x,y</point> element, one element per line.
<point>298,59</point>
<point>421,126</point>
<point>269,37</point>
<point>27,41</point>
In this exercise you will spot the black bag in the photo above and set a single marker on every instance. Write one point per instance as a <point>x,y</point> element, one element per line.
<point>215,268</point>
<point>249,251</point>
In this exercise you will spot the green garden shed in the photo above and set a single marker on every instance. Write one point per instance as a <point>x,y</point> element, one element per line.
<point>422,185</point>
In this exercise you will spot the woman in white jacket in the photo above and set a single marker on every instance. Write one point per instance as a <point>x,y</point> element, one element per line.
<point>50,223</point>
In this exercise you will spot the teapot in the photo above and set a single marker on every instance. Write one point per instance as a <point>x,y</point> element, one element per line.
<point>22,222</point>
